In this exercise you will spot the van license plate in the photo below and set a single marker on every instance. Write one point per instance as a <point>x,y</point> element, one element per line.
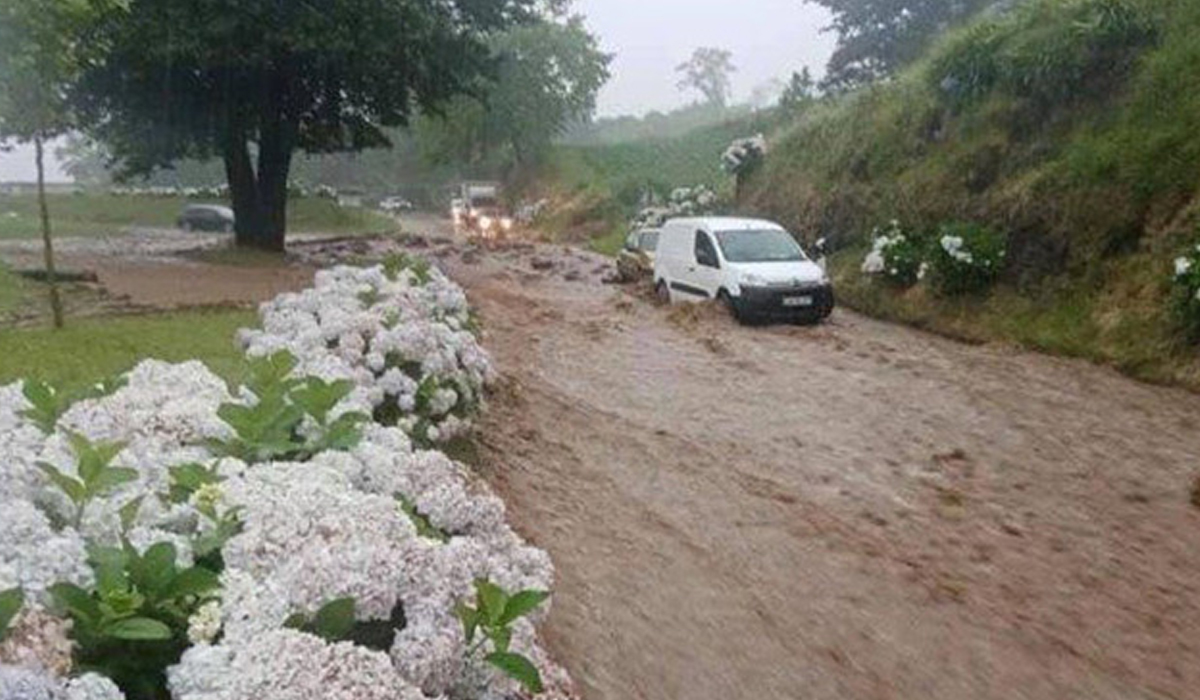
<point>797,301</point>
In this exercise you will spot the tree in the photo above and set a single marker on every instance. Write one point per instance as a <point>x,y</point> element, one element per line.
<point>40,61</point>
<point>253,81</point>
<point>547,76</point>
<point>875,37</point>
<point>708,71</point>
<point>800,91</point>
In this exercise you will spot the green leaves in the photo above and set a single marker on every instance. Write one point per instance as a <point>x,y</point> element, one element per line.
<point>142,597</point>
<point>334,622</point>
<point>270,429</point>
<point>139,629</point>
<point>518,668</point>
<point>397,263</point>
<point>318,397</point>
<point>494,612</point>
<point>10,604</point>
<point>95,475</point>
<point>132,625</point>
<point>186,479</point>
<point>48,404</point>
<point>421,522</point>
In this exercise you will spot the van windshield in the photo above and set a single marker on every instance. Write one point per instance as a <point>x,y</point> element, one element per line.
<point>765,245</point>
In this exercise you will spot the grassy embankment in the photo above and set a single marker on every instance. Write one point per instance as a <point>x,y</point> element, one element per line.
<point>93,214</point>
<point>597,189</point>
<point>1073,127</point>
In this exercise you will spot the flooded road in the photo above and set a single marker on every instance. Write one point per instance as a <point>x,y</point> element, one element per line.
<point>855,510</point>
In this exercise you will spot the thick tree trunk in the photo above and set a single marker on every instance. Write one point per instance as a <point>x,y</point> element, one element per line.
<point>260,198</point>
<point>47,241</point>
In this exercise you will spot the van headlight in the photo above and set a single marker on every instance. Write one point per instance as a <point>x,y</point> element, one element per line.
<point>749,279</point>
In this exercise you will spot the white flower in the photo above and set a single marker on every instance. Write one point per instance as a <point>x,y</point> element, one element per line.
<point>952,245</point>
<point>288,665</point>
<point>205,624</point>
<point>92,686</point>
<point>874,263</point>
<point>1182,266</point>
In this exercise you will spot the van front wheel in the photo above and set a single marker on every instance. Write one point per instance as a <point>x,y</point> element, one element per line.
<point>662,293</point>
<point>730,306</point>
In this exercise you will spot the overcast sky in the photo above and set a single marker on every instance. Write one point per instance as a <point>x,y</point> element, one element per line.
<point>769,39</point>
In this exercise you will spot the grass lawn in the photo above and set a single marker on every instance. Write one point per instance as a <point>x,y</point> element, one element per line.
<point>12,290</point>
<point>101,213</point>
<point>90,350</point>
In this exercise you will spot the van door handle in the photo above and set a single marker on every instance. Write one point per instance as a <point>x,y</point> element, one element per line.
<point>692,268</point>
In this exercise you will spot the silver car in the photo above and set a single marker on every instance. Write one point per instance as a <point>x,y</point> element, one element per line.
<point>207,217</point>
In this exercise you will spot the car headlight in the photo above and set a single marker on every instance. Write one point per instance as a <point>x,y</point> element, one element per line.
<point>485,222</point>
<point>752,280</point>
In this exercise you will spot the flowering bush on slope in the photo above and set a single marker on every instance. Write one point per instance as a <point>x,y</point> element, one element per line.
<point>896,255</point>
<point>966,260</point>
<point>1187,293</point>
<point>400,332</point>
<point>273,570</point>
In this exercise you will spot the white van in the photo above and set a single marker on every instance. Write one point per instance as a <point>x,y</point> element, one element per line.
<point>754,267</point>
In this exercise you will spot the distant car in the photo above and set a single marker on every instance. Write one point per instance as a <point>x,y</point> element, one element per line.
<point>396,204</point>
<point>755,268</point>
<point>207,217</point>
<point>636,259</point>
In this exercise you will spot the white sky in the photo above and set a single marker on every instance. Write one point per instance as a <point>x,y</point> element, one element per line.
<point>18,164</point>
<point>769,39</point>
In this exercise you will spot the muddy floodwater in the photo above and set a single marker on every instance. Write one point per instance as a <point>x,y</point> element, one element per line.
<point>855,510</point>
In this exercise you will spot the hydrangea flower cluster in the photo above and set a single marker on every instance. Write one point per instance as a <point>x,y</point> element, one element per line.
<point>960,258</point>
<point>683,201</point>
<point>1186,284</point>
<point>744,154</point>
<point>403,532</point>
<point>400,333</point>
<point>896,255</point>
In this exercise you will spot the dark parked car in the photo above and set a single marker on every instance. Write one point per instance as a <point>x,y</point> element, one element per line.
<point>207,217</point>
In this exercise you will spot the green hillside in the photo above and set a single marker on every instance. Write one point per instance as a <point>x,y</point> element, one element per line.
<point>1071,127</point>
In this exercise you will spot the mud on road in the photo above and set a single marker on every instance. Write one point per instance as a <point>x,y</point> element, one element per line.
<point>854,510</point>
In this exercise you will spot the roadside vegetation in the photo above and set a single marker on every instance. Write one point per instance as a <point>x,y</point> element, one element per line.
<point>115,345</point>
<point>1064,129</point>
<point>1069,127</point>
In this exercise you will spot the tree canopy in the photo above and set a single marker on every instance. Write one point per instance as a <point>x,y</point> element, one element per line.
<point>875,37</point>
<point>708,71</point>
<point>253,81</point>
<point>547,76</point>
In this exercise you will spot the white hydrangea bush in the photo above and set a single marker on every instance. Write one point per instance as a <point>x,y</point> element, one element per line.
<point>401,332</point>
<point>896,256</point>
<point>403,532</point>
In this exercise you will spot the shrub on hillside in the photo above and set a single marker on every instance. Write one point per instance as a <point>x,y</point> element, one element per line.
<point>1047,51</point>
<point>897,256</point>
<point>966,259</point>
<point>1186,297</point>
